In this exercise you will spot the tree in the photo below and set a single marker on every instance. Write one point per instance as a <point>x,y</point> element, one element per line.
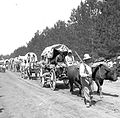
<point>93,27</point>
<point>19,51</point>
<point>82,20</point>
<point>108,27</point>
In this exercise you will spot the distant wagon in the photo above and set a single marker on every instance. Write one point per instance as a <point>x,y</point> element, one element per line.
<point>31,67</point>
<point>2,66</point>
<point>51,71</point>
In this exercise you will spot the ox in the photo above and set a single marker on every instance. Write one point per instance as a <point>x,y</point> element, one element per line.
<point>101,73</point>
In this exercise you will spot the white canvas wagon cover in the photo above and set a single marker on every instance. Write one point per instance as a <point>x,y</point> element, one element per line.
<point>48,51</point>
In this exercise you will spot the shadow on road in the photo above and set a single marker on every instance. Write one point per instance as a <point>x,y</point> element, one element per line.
<point>1,110</point>
<point>109,94</point>
<point>94,102</point>
<point>76,92</point>
<point>33,78</point>
<point>61,86</point>
<point>106,94</point>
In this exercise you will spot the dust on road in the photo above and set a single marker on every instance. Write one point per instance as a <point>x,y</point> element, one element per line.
<point>27,99</point>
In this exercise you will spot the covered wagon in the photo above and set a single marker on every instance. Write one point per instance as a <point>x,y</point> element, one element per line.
<point>51,70</point>
<point>31,67</point>
<point>2,66</point>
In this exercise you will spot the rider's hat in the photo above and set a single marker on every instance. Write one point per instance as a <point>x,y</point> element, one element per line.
<point>86,57</point>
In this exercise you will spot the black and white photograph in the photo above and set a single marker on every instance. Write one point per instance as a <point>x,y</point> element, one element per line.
<point>59,58</point>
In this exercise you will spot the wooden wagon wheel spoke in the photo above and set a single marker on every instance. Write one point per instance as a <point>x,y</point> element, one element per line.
<point>53,80</point>
<point>43,81</point>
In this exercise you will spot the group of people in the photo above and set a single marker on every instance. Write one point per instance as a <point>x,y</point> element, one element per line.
<point>60,60</point>
<point>85,71</point>
<point>69,59</point>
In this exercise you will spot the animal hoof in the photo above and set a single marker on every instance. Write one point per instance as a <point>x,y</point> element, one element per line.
<point>82,96</point>
<point>79,95</point>
<point>91,97</point>
<point>98,92</point>
<point>88,105</point>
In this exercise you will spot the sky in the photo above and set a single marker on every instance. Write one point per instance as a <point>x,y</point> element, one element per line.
<point>20,19</point>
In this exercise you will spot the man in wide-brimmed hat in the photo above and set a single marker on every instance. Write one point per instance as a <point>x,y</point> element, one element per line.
<point>86,77</point>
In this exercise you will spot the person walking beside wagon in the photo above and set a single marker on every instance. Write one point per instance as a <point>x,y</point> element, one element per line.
<point>86,79</point>
<point>69,59</point>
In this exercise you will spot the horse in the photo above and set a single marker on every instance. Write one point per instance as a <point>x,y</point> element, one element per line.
<point>100,73</point>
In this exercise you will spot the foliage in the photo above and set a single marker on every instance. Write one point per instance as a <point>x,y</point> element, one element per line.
<point>108,28</point>
<point>20,51</point>
<point>93,27</point>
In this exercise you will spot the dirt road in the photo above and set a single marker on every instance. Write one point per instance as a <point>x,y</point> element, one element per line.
<point>27,99</point>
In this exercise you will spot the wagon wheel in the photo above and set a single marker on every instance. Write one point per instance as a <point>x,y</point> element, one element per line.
<point>4,70</point>
<point>28,73</point>
<point>25,75</point>
<point>53,80</point>
<point>22,75</point>
<point>43,81</point>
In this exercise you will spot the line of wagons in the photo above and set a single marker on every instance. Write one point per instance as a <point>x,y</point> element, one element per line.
<point>49,73</point>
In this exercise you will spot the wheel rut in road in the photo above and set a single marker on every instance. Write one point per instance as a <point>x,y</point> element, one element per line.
<point>27,99</point>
